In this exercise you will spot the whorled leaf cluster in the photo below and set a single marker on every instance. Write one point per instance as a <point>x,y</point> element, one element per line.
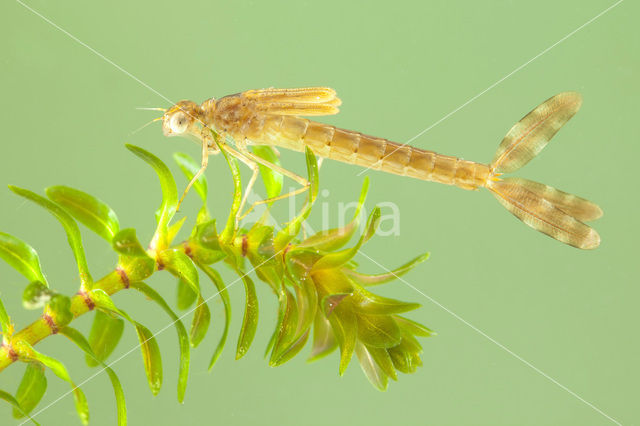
<point>321,296</point>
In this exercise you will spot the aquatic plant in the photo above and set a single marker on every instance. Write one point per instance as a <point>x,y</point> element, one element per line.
<point>322,297</point>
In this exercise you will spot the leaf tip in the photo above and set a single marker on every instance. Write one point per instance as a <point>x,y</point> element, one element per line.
<point>15,189</point>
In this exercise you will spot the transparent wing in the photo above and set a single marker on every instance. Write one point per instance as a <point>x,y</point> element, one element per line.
<point>305,101</point>
<point>573,205</point>
<point>531,134</point>
<point>543,215</point>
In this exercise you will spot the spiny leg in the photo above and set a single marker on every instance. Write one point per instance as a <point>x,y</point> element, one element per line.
<point>241,155</point>
<point>254,167</point>
<point>203,167</point>
<point>300,190</point>
<point>279,169</point>
<point>255,171</point>
<point>243,152</point>
<point>305,184</point>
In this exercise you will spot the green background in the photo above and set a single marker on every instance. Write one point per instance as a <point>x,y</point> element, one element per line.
<point>399,67</point>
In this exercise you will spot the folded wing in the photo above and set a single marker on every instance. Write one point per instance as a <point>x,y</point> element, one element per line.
<point>305,101</point>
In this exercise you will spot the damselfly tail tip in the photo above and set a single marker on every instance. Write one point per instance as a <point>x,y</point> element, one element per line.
<point>546,209</point>
<point>591,241</point>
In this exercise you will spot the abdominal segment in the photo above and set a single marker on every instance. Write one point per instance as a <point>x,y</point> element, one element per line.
<point>352,147</point>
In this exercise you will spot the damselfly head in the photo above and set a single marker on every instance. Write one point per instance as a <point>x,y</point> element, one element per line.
<point>181,119</point>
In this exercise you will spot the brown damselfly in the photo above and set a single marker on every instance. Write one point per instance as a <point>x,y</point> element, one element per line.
<point>274,117</point>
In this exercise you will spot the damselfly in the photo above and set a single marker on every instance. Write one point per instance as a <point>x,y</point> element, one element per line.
<point>275,117</point>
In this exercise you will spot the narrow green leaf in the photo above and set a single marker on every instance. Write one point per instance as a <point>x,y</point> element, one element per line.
<point>5,323</point>
<point>333,282</point>
<point>181,266</point>
<point>86,209</point>
<point>31,389</point>
<point>413,327</point>
<point>203,215</point>
<point>293,228</point>
<point>169,192</point>
<point>307,303</point>
<point>371,280</point>
<point>250,319</point>
<point>260,253</point>
<point>189,167</point>
<point>59,307</point>
<point>333,239</point>
<point>76,337</point>
<point>372,370</point>
<point>26,350</point>
<point>379,331</point>
<point>372,225</point>
<point>324,341</point>
<point>204,244</point>
<point>307,297</point>
<point>183,338</point>
<point>22,257</point>
<point>260,242</point>
<point>70,227</point>
<point>334,260</point>
<point>331,301</point>
<point>299,263</point>
<point>135,268</point>
<point>104,336</point>
<point>272,180</point>
<point>151,358</point>
<point>287,324</point>
<point>314,176</point>
<point>372,304</point>
<point>126,243</point>
<point>292,350</point>
<point>11,400</point>
<point>148,344</point>
<point>406,356</point>
<point>230,228</point>
<point>282,312</point>
<point>104,302</point>
<point>215,277</point>
<point>174,229</point>
<point>36,295</point>
<point>382,358</point>
<point>185,297</point>
<point>200,322</point>
<point>207,235</point>
<point>410,343</point>
<point>345,326</point>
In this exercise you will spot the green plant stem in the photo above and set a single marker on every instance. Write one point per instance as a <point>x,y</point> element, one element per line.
<point>46,325</point>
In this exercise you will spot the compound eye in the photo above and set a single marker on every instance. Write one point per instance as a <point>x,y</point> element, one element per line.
<point>178,123</point>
